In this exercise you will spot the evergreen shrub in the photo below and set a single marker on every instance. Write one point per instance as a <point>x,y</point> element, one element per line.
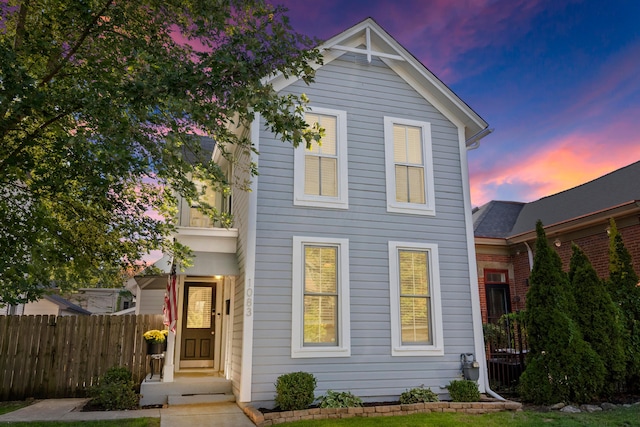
<point>464,391</point>
<point>561,366</point>
<point>295,390</point>
<point>115,390</point>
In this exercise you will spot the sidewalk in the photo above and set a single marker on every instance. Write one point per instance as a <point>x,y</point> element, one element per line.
<point>215,415</point>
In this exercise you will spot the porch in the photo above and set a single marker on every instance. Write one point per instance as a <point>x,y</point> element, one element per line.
<point>192,386</point>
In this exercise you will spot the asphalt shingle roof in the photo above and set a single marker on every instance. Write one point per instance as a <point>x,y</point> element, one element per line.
<point>494,219</point>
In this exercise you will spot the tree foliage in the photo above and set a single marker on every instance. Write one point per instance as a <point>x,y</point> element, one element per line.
<point>597,317</point>
<point>625,292</point>
<point>101,105</point>
<point>561,366</point>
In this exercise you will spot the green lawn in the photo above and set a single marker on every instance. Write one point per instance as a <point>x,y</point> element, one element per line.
<point>626,417</point>
<point>134,422</point>
<point>11,406</point>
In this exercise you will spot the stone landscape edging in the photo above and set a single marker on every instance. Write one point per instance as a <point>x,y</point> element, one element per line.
<point>272,418</point>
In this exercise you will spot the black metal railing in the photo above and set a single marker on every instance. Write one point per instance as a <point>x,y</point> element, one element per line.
<point>506,349</point>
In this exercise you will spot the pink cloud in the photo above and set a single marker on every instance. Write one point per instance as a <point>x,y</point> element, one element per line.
<point>562,163</point>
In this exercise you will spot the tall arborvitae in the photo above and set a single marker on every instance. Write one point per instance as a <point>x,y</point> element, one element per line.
<point>597,317</point>
<point>623,288</point>
<point>561,366</point>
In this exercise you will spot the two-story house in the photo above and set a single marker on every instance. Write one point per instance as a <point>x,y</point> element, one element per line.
<point>353,260</point>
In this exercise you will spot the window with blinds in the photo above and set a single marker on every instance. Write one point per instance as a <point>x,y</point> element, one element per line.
<point>416,311</point>
<point>320,298</point>
<point>320,171</point>
<point>321,159</point>
<point>409,166</point>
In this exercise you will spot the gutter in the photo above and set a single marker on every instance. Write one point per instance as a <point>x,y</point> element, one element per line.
<point>474,142</point>
<point>578,222</point>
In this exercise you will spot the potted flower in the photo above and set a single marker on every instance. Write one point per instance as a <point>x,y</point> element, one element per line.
<point>156,341</point>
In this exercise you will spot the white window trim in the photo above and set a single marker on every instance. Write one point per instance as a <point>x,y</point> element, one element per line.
<point>397,349</point>
<point>429,208</point>
<point>343,349</point>
<point>342,200</point>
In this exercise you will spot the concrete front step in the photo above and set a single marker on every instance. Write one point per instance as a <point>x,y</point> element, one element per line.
<point>196,399</point>
<point>198,389</point>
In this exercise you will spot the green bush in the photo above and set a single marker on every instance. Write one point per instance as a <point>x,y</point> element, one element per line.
<point>418,395</point>
<point>561,366</point>
<point>344,399</point>
<point>295,390</point>
<point>464,391</point>
<point>115,390</point>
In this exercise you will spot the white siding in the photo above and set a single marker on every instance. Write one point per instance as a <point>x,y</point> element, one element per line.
<point>150,301</point>
<point>367,92</point>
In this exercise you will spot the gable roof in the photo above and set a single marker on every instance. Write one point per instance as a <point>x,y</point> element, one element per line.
<point>65,304</point>
<point>370,39</point>
<point>618,188</point>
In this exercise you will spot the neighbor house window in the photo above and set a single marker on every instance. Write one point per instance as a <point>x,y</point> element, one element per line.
<point>321,170</point>
<point>320,319</point>
<point>416,314</point>
<point>409,166</point>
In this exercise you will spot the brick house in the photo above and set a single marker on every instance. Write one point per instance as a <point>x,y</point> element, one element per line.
<point>505,234</point>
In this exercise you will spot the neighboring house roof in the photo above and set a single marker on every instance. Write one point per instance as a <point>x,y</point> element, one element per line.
<point>496,219</point>
<point>207,145</point>
<point>370,39</point>
<point>66,305</point>
<point>614,189</point>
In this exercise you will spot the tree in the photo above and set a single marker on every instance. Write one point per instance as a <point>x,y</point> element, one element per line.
<point>597,317</point>
<point>101,106</point>
<point>561,366</point>
<point>623,288</point>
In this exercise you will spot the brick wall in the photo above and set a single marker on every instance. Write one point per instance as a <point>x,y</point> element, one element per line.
<point>595,246</point>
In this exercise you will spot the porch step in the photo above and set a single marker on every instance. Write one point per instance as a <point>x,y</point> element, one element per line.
<point>195,399</point>
<point>196,389</point>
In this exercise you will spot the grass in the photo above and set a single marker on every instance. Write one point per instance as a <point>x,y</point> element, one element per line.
<point>626,417</point>
<point>133,422</point>
<point>6,407</point>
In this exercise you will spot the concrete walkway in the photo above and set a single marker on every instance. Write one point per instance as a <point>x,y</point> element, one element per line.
<point>215,415</point>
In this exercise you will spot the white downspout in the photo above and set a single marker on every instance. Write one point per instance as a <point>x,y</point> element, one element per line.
<point>481,358</point>
<point>530,254</point>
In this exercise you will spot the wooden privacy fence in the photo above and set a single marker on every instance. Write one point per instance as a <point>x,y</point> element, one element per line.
<point>62,356</point>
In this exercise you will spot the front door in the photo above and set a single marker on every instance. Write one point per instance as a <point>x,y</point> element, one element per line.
<point>198,325</point>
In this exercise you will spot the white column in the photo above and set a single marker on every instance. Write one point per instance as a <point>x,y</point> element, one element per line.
<point>167,375</point>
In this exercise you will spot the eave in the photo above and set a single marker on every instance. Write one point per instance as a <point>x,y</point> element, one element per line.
<point>579,222</point>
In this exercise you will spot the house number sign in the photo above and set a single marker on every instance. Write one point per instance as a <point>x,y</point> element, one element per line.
<point>249,301</point>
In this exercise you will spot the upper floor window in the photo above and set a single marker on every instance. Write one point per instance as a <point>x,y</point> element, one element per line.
<point>321,170</point>
<point>190,214</point>
<point>409,166</point>
<point>416,313</point>
<point>320,298</point>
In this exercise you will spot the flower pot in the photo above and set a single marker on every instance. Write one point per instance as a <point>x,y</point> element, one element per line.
<point>156,348</point>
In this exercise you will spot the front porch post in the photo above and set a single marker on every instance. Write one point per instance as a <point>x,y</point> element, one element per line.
<point>168,359</point>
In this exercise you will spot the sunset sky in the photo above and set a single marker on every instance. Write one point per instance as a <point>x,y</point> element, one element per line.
<point>558,80</point>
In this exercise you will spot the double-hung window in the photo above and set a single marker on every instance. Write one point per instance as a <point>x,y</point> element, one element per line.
<point>320,303</point>
<point>409,166</point>
<point>416,313</point>
<point>321,170</point>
